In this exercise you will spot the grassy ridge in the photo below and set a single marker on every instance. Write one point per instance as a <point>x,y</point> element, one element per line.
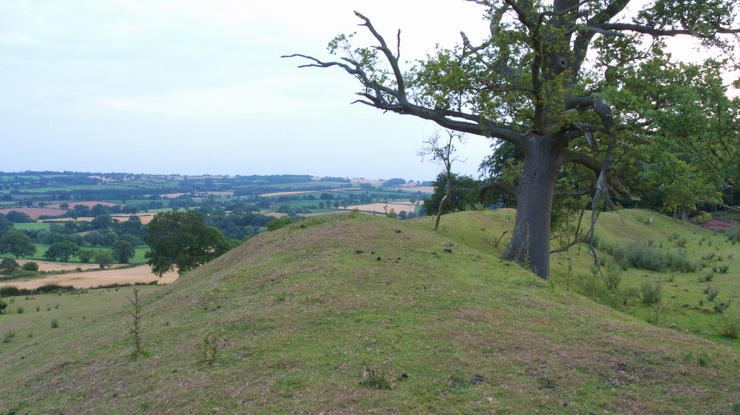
<point>364,314</point>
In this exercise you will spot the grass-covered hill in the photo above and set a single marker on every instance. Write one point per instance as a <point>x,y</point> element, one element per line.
<point>360,314</point>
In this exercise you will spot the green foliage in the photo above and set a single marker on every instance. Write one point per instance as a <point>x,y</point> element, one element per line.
<point>278,223</point>
<point>54,323</point>
<point>61,251</point>
<point>642,256</point>
<point>17,243</point>
<point>651,293</point>
<point>9,265</point>
<point>729,325</point>
<point>182,240</point>
<point>613,276</point>
<point>463,194</point>
<point>102,258</point>
<point>122,251</point>
<point>702,217</point>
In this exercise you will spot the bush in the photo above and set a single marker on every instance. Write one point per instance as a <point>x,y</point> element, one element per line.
<point>650,293</point>
<point>642,256</point>
<point>729,326</point>
<point>702,217</point>
<point>711,293</point>
<point>278,223</point>
<point>733,235</point>
<point>9,265</point>
<point>30,266</point>
<point>613,276</point>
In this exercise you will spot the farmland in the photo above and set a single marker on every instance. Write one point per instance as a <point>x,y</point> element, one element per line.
<point>94,211</point>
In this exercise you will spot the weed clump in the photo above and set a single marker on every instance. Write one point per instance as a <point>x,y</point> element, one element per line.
<point>374,379</point>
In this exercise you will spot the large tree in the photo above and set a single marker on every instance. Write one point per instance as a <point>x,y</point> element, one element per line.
<point>182,240</point>
<point>17,243</point>
<point>541,81</point>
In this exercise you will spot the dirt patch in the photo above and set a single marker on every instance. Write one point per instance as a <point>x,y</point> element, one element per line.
<point>719,225</point>
<point>142,273</point>
<point>35,213</point>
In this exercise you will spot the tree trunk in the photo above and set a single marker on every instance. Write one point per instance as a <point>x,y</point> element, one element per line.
<point>530,243</point>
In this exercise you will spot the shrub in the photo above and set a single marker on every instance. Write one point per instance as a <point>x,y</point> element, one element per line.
<point>19,310</point>
<point>729,326</point>
<point>8,336</point>
<point>54,324</point>
<point>613,276</point>
<point>650,293</point>
<point>645,257</point>
<point>733,235</point>
<point>707,277</point>
<point>278,223</point>
<point>702,217</point>
<point>30,266</point>
<point>721,307</point>
<point>711,293</point>
<point>9,265</point>
<point>3,306</point>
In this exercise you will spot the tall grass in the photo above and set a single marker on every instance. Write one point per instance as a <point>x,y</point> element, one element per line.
<point>643,256</point>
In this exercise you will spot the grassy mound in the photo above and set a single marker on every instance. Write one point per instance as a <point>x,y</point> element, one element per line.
<point>362,314</point>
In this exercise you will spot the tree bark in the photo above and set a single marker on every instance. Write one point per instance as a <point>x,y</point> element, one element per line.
<point>530,243</point>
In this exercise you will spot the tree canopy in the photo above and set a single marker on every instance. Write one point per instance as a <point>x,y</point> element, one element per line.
<point>17,243</point>
<point>182,241</point>
<point>553,79</point>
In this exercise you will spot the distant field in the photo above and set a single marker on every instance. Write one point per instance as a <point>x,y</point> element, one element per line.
<point>32,226</point>
<point>380,207</point>
<point>89,203</point>
<point>90,279</point>
<point>35,213</point>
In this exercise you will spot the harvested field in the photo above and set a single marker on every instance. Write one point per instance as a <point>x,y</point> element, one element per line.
<point>88,203</point>
<point>379,207</point>
<point>145,217</point>
<point>35,213</point>
<point>59,266</point>
<point>91,279</point>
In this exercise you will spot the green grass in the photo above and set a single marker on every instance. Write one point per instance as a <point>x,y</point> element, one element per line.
<point>362,314</point>
<point>33,226</point>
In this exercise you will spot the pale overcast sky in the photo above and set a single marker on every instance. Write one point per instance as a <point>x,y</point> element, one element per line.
<point>198,87</point>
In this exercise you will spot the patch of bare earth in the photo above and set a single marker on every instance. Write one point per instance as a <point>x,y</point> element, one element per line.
<point>719,225</point>
<point>91,279</point>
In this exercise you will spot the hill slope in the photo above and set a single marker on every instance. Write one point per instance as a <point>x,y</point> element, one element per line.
<point>361,314</point>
